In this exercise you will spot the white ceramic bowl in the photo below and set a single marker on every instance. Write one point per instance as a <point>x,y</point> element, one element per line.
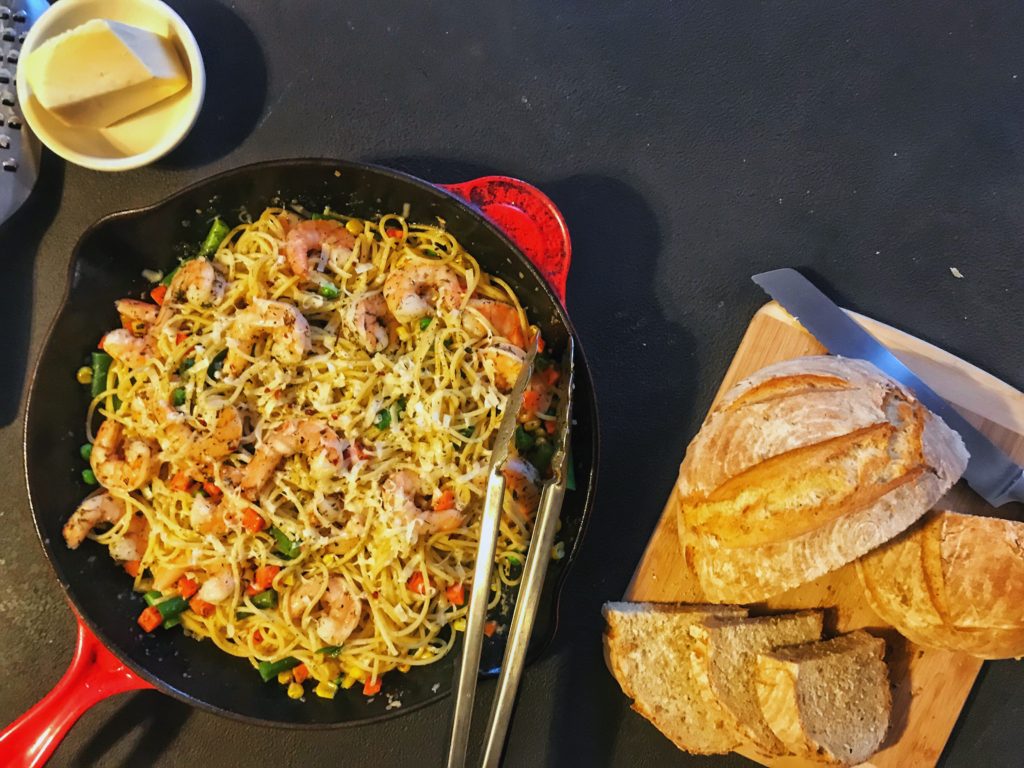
<point>140,138</point>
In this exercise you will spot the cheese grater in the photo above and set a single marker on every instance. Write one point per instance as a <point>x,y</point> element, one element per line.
<point>19,149</point>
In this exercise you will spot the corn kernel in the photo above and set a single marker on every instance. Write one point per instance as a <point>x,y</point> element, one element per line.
<point>354,227</point>
<point>284,677</point>
<point>532,425</point>
<point>404,667</point>
<point>403,333</point>
<point>558,551</point>
<point>326,689</point>
<point>349,681</point>
<point>329,560</point>
<point>459,625</point>
<point>355,672</point>
<point>295,691</point>
<point>289,579</point>
<point>84,375</point>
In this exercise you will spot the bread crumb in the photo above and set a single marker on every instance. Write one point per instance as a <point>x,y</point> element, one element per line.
<point>956,272</point>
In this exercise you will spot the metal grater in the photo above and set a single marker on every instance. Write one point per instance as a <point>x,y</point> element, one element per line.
<point>19,149</point>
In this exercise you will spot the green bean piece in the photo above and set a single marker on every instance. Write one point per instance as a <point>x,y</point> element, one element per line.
<point>570,472</point>
<point>400,405</point>
<point>285,546</point>
<point>541,455</point>
<point>239,615</point>
<point>425,323</point>
<point>89,477</point>
<point>100,367</point>
<point>383,420</point>
<point>330,650</point>
<point>172,606</point>
<point>153,597</point>
<point>187,363</point>
<point>266,599</point>
<point>467,431</point>
<point>329,291</point>
<point>271,669</point>
<point>213,372</point>
<point>169,277</point>
<point>85,451</point>
<point>172,622</point>
<point>218,231</point>
<point>524,440</point>
<point>178,396</point>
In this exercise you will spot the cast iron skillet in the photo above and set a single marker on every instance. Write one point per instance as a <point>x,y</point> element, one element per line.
<point>107,264</point>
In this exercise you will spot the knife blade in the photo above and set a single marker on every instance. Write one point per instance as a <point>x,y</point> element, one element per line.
<point>990,472</point>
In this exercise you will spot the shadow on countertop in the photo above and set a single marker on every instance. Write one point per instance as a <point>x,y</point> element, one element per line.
<point>159,717</point>
<point>236,84</point>
<point>20,237</point>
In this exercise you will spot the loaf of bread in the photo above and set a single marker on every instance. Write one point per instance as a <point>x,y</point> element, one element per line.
<point>952,581</point>
<point>725,665</point>
<point>827,701</point>
<point>803,467</point>
<point>647,648</point>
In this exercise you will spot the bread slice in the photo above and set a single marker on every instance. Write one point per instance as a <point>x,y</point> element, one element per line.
<point>952,581</point>
<point>827,701</point>
<point>803,467</point>
<point>725,665</point>
<point>647,647</point>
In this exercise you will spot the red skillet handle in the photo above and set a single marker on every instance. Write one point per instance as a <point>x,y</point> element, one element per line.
<point>529,218</point>
<point>94,674</point>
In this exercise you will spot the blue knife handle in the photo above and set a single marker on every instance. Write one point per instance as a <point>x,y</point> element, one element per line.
<point>1015,492</point>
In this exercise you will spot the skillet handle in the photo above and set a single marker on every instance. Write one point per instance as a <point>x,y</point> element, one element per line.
<point>529,218</point>
<point>95,673</point>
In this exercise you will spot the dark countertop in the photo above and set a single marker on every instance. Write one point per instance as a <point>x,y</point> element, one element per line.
<point>874,146</point>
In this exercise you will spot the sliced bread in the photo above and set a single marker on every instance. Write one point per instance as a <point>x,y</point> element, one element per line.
<point>725,665</point>
<point>827,701</point>
<point>648,647</point>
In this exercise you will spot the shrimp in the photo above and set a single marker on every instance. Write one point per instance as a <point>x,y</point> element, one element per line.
<point>137,316</point>
<point>401,493</point>
<point>132,546</point>
<point>372,322</point>
<point>122,462</point>
<point>283,324</point>
<point>97,508</point>
<point>506,362</point>
<point>314,235</point>
<point>337,612</point>
<point>196,282</point>
<point>218,587</point>
<point>413,292</point>
<point>522,487</point>
<point>503,318</point>
<point>125,347</point>
<point>222,441</point>
<point>314,438</point>
<point>207,518</point>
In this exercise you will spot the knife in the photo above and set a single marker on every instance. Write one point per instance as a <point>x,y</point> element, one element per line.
<point>990,472</point>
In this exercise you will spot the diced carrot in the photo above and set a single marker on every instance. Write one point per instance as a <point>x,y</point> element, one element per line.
<point>445,501</point>
<point>132,567</point>
<point>187,587</point>
<point>257,636</point>
<point>201,607</point>
<point>531,400</point>
<point>150,618</point>
<point>392,232</point>
<point>253,521</point>
<point>180,337</point>
<point>99,344</point>
<point>540,342</point>
<point>265,576</point>
<point>159,293</point>
<point>417,583</point>
<point>180,482</point>
<point>371,686</point>
<point>490,628</point>
<point>551,376</point>
<point>550,427</point>
<point>456,594</point>
<point>212,491</point>
<point>300,673</point>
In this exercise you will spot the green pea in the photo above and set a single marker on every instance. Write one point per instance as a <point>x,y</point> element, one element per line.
<point>89,477</point>
<point>86,451</point>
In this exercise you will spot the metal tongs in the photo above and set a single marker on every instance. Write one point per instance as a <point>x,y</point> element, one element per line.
<point>537,559</point>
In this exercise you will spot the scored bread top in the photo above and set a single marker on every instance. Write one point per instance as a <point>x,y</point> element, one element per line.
<point>803,467</point>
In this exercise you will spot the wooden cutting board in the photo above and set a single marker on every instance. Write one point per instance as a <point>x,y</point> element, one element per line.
<point>929,686</point>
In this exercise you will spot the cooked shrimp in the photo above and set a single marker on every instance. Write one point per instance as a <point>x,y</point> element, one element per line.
<point>218,587</point>
<point>97,508</point>
<point>196,282</point>
<point>402,493</point>
<point>136,316</point>
<point>372,322</point>
<point>503,319</point>
<point>222,441</point>
<point>522,487</point>
<point>538,396</point>
<point>314,235</point>
<point>323,446</point>
<point>132,546</point>
<point>125,347</point>
<point>506,363</point>
<point>414,291</point>
<point>337,612</point>
<point>207,517</point>
<point>166,576</point>
<point>281,323</point>
<point>122,462</point>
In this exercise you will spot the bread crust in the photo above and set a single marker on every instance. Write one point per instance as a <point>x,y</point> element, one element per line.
<point>803,467</point>
<point>965,577</point>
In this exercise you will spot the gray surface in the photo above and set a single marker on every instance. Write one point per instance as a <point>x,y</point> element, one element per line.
<point>872,146</point>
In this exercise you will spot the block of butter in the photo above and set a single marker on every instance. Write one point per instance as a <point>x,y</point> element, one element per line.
<point>103,71</point>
